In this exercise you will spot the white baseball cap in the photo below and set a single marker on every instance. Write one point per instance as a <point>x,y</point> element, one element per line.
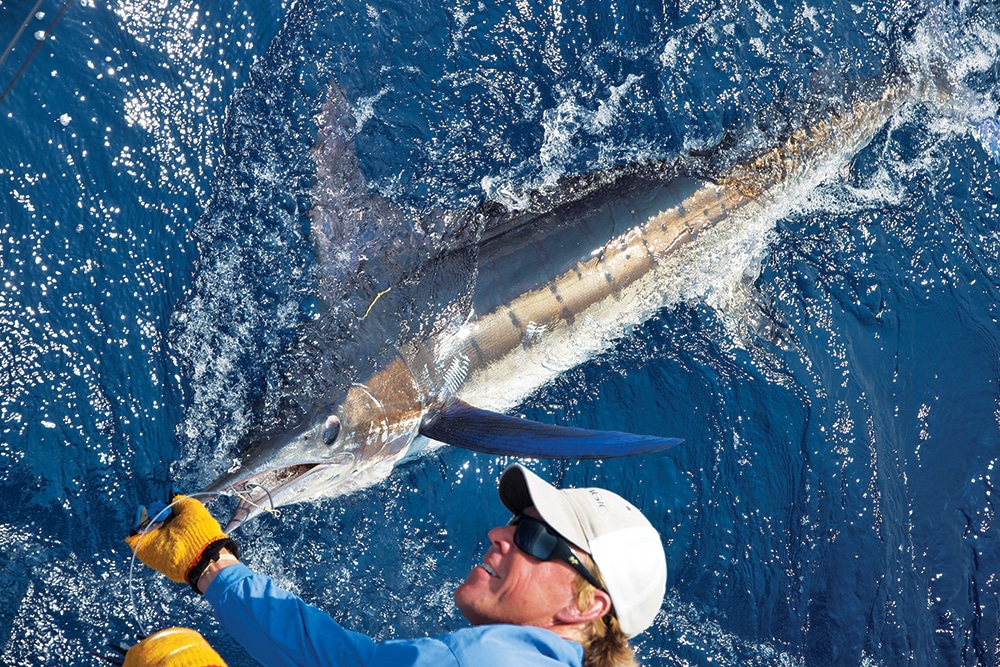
<point>621,541</point>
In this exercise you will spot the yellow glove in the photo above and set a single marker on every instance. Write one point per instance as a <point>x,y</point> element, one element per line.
<point>186,542</point>
<point>173,647</point>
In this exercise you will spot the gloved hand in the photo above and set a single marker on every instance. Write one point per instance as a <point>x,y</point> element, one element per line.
<point>181,545</point>
<point>173,647</point>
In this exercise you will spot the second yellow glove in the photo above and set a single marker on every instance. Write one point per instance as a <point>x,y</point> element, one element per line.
<point>173,647</point>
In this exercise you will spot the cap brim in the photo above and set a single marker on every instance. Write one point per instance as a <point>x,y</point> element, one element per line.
<point>520,489</point>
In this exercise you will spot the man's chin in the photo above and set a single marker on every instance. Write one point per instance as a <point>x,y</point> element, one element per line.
<point>466,597</point>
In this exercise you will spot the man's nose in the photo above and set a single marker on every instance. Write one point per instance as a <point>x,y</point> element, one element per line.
<point>502,537</point>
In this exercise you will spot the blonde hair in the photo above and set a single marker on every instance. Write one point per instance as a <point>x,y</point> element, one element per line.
<point>605,644</point>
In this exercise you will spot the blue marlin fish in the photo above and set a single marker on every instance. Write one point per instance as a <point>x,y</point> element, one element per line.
<point>531,330</point>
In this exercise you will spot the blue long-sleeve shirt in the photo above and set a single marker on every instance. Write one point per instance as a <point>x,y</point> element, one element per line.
<point>280,630</point>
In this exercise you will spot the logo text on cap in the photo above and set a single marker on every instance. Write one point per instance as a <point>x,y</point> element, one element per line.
<point>595,495</point>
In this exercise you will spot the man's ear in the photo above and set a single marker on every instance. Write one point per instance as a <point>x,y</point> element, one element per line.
<point>600,605</point>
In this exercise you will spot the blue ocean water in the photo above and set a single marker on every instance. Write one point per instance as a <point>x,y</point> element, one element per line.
<point>834,376</point>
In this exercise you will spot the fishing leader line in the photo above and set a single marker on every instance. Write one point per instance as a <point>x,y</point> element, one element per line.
<point>20,31</point>
<point>34,52</point>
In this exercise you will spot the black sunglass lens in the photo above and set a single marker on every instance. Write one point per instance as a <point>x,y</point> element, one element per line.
<point>534,539</point>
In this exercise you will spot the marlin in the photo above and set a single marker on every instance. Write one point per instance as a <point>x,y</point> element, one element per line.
<point>452,386</point>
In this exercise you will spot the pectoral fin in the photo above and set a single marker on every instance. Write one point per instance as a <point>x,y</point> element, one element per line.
<point>462,425</point>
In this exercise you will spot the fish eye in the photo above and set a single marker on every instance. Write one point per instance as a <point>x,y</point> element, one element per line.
<point>331,428</point>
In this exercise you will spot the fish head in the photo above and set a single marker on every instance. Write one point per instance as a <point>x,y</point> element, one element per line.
<point>337,450</point>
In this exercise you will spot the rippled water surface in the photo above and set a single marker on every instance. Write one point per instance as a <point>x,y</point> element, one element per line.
<point>833,368</point>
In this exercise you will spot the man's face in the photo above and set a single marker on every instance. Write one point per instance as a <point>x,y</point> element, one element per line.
<point>510,586</point>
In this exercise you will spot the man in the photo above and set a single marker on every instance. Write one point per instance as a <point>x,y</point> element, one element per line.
<point>568,581</point>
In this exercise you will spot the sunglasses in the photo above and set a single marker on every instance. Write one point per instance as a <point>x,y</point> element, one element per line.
<point>539,541</point>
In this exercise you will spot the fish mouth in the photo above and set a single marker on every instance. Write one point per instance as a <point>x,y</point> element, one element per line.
<point>265,491</point>
<point>257,492</point>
